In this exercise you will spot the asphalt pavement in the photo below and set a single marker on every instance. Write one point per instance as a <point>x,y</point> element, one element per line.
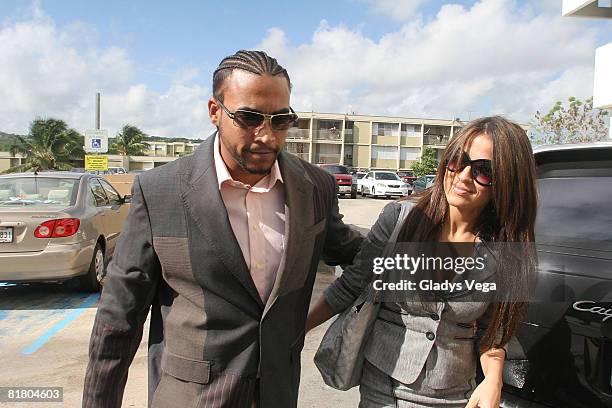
<point>45,329</point>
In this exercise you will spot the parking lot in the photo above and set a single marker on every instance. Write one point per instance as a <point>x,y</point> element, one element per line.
<point>45,328</point>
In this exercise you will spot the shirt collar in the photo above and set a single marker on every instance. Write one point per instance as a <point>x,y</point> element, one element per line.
<point>224,176</point>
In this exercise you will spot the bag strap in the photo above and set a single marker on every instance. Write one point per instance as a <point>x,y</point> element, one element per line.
<point>404,209</point>
<point>400,220</point>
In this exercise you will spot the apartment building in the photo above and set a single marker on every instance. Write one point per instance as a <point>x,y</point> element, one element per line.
<point>372,142</point>
<point>157,154</point>
<point>358,141</point>
<point>8,160</point>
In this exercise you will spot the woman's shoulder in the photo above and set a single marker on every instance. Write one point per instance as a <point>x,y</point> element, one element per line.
<point>391,211</point>
<point>390,215</point>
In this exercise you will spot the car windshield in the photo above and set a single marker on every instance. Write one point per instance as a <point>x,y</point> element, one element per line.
<point>386,176</point>
<point>580,219</point>
<point>405,174</point>
<point>336,169</point>
<point>37,191</point>
<point>430,178</point>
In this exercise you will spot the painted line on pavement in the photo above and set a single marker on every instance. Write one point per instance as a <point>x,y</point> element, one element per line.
<point>57,327</point>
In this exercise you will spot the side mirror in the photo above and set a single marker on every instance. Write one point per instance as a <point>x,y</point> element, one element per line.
<point>127,199</point>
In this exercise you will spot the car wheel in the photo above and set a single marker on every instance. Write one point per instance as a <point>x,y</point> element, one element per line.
<point>92,282</point>
<point>362,191</point>
<point>373,192</point>
<point>354,194</point>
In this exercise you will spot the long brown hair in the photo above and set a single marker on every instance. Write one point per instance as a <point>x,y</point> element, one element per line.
<point>509,217</point>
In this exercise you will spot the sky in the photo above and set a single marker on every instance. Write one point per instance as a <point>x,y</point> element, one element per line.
<point>152,61</point>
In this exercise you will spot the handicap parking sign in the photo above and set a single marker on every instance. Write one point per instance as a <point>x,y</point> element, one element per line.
<point>96,141</point>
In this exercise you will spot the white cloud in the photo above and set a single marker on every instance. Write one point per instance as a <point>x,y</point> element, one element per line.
<point>52,71</point>
<point>398,10</point>
<point>494,57</point>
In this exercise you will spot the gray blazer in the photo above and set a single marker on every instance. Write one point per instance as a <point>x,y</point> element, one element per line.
<point>212,342</point>
<point>439,338</point>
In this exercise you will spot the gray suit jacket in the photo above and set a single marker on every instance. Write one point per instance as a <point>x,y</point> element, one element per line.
<point>212,342</point>
<point>436,339</point>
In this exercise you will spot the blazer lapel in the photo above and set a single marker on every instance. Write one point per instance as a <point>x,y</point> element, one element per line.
<point>202,198</point>
<point>299,213</point>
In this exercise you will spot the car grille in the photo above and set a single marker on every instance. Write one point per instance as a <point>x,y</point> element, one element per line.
<point>394,186</point>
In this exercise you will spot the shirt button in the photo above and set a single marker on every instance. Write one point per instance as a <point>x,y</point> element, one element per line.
<point>430,336</point>
<point>434,316</point>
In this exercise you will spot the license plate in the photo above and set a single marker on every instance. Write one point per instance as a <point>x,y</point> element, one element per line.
<point>6,235</point>
<point>345,188</point>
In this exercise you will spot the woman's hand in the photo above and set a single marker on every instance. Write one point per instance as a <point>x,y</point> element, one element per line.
<point>487,394</point>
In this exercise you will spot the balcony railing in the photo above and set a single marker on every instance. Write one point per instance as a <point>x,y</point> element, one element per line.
<point>299,134</point>
<point>325,134</point>
<point>327,158</point>
<point>435,140</point>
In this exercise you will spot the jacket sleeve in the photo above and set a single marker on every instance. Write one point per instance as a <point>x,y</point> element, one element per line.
<point>347,288</point>
<point>341,242</point>
<point>129,288</point>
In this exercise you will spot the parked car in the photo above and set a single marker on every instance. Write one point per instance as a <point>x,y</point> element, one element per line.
<point>383,184</point>
<point>346,186</point>
<point>423,183</point>
<point>358,175</point>
<point>55,226</point>
<point>111,170</point>
<point>116,170</point>
<point>407,176</point>
<point>562,356</point>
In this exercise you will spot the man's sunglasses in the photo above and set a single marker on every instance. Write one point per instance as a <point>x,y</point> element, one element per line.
<point>247,119</point>
<point>482,171</point>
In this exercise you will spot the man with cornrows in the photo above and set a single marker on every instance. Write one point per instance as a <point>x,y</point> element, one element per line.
<point>222,248</point>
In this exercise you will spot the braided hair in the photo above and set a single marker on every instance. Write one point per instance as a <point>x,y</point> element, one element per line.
<point>257,62</point>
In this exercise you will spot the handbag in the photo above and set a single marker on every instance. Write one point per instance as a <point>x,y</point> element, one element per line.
<point>340,355</point>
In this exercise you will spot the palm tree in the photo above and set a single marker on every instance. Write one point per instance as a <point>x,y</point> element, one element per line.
<point>129,142</point>
<point>50,145</point>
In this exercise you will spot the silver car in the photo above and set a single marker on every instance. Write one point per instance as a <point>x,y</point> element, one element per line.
<point>423,183</point>
<point>56,226</point>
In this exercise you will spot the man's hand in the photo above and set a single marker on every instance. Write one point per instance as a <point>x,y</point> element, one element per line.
<point>319,313</point>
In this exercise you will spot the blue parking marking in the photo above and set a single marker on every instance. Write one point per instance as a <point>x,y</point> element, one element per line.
<point>3,314</point>
<point>56,328</point>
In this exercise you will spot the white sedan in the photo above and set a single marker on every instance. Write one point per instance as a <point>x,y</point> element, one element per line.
<point>383,184</point>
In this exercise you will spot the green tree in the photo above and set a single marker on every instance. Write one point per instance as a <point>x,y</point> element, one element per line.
<point>579,122</point>
<point>427,164</point>
<point>50,145</point>
<point>129,142</point>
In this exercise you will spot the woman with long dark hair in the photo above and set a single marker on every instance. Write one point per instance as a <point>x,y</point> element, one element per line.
<point>424,353</point>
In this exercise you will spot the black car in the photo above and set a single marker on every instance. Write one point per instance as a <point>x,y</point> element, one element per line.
<point>562,356</point>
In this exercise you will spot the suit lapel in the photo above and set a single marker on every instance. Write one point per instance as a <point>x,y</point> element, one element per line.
<point>202,198</point>
<point>299,213</point>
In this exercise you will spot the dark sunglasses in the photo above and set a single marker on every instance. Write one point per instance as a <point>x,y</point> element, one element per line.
<point>482,171</point>
<point>249,120</point>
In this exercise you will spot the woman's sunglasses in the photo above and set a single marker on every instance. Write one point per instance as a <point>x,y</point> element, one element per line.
<point>482,171</point>
<point>249,120</point>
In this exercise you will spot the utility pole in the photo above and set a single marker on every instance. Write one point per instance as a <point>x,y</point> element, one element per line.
<point>97,110</point>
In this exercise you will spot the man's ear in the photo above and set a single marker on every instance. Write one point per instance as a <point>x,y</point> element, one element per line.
<point>214,112</point>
